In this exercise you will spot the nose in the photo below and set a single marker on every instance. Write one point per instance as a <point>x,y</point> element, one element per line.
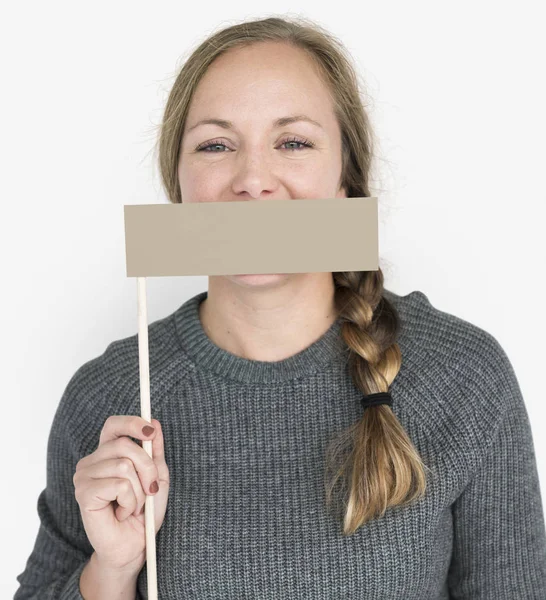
<point>254,176</point>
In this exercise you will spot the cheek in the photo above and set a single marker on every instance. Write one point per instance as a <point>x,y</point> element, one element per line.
<point>303,178</point>
<point>315,181</point>
<point>198,184</point>
<point>305,174</point>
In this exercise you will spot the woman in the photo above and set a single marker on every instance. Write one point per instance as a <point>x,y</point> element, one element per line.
<point>275,479</point>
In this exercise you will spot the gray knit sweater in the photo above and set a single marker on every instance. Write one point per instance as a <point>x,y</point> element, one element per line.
<point>245,443</point>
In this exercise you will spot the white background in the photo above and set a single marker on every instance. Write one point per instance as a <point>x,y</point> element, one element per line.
<point>457,93</point>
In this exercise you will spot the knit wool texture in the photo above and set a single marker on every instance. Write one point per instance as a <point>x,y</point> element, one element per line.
<point>245,445</point>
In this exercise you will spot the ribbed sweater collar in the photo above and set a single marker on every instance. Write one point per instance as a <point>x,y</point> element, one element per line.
<point>205,354</point>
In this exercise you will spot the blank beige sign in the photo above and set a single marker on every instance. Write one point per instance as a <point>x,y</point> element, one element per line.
<point>251,237</point>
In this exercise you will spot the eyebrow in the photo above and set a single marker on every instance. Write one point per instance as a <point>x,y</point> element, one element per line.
<point>278,123</point>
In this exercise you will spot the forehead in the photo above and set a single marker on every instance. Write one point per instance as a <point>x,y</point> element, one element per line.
<point>264,74</point>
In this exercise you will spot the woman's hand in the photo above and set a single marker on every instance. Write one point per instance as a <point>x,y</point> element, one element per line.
<point>111,486</point>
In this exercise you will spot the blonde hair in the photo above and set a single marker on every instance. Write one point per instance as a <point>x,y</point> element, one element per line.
<point>374,460</point>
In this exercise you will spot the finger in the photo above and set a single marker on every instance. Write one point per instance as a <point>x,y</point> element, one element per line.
<point>114,467</point>
<point>158,455</point>
<point>146,468</point>
<point>158,445</point>
<point>117,426</point>
<point>96,494</point>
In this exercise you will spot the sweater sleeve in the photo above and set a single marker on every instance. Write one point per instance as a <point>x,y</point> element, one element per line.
<point>62,549</point>
<point>499,544</point>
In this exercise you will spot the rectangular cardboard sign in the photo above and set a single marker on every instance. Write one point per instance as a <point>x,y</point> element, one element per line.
<point>251,237</point>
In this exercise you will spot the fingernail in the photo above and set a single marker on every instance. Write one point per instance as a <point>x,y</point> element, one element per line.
<point>147,430</point>
<point>154,488</point>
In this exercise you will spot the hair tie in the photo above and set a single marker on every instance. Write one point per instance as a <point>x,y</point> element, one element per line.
<point>375,399</point>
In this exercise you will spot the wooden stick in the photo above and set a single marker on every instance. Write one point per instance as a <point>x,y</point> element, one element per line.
<point>146,413</point>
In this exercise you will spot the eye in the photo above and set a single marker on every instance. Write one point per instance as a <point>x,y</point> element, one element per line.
<point>212,144</point>
<point>293,140</point>
<point>302,141</point>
